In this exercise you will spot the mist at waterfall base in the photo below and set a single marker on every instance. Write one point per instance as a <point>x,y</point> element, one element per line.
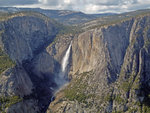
<point>62,77</point>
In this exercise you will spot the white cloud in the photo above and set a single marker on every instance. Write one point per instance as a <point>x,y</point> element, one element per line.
<point>87,6</point>
<point>67,1</point>
<point>43,1</point>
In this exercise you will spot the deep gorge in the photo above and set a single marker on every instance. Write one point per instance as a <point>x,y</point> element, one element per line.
<point>106,67</point>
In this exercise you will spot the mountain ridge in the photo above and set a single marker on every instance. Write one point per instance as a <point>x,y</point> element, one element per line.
<point>66,17</point>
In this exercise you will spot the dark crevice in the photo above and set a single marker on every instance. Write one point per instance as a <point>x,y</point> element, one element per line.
<point>43,87</point>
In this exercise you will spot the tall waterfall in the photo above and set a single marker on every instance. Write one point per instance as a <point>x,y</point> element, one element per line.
<point>62,76</point>
<point>65,60</point>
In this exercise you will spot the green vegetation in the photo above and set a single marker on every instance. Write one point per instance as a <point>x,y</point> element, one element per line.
<point>119,99</point>
<point>5,61</point>
<point>132,110</point>
<point>136,85</point>
<point>116,98</point>
<point>2,31</point>
<point>6,102</point>
<point>126,86</point>
<point>4,16</point>
<point>146,109</point>
<point>132,81</point>
<point>117,112</point>
<point>108,98</point>
<point>147,44</point>
<point>70,30</point>
<point>76,90</point>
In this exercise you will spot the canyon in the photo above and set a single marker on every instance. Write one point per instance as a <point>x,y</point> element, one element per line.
<point>100,69</point>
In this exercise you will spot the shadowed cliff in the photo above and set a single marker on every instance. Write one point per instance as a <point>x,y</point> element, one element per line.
<point>24,37</point>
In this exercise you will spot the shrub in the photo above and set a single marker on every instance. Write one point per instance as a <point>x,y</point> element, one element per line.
<point>76,90</point>
<point>8,101</point>
<point>5,61</point>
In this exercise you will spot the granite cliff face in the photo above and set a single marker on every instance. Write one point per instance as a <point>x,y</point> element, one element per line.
<point>108,66</point>
<point>25,38</point>
<point>110,70</point>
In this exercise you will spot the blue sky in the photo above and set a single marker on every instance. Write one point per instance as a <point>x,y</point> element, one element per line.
<point>86,6</point>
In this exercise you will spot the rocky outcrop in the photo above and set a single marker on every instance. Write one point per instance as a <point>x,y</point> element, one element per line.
<point>25,37</point>
<point>110,70</point>
<point>26,106</point>
<point>15,81</point>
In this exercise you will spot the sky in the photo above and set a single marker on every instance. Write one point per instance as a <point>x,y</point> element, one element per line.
<point>86,6</point>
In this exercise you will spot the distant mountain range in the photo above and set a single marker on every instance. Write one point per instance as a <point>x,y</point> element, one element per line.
<point>66,17</point>
<point>111,19</point>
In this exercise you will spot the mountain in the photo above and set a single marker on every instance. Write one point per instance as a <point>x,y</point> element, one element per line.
<point>106,70</point>
<point>66,17</point>
<point>23,40</point>
<point>110,19</point>
<point>109,71</point>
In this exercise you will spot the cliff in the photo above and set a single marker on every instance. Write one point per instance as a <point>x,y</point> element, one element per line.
<point>24,38</point>
<point>110,70</point>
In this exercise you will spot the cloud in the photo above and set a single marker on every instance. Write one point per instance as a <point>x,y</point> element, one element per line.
<point>16,2</point>
<point>87,6</point>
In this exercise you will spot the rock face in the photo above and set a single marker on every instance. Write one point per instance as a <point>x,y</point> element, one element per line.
<point>24,39</point>
<point>25,36</point>
<point>110,70</point>
<point>15,81</point>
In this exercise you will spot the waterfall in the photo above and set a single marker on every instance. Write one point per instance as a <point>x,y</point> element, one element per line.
<point>62,78</point>
<point>65,60</point>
